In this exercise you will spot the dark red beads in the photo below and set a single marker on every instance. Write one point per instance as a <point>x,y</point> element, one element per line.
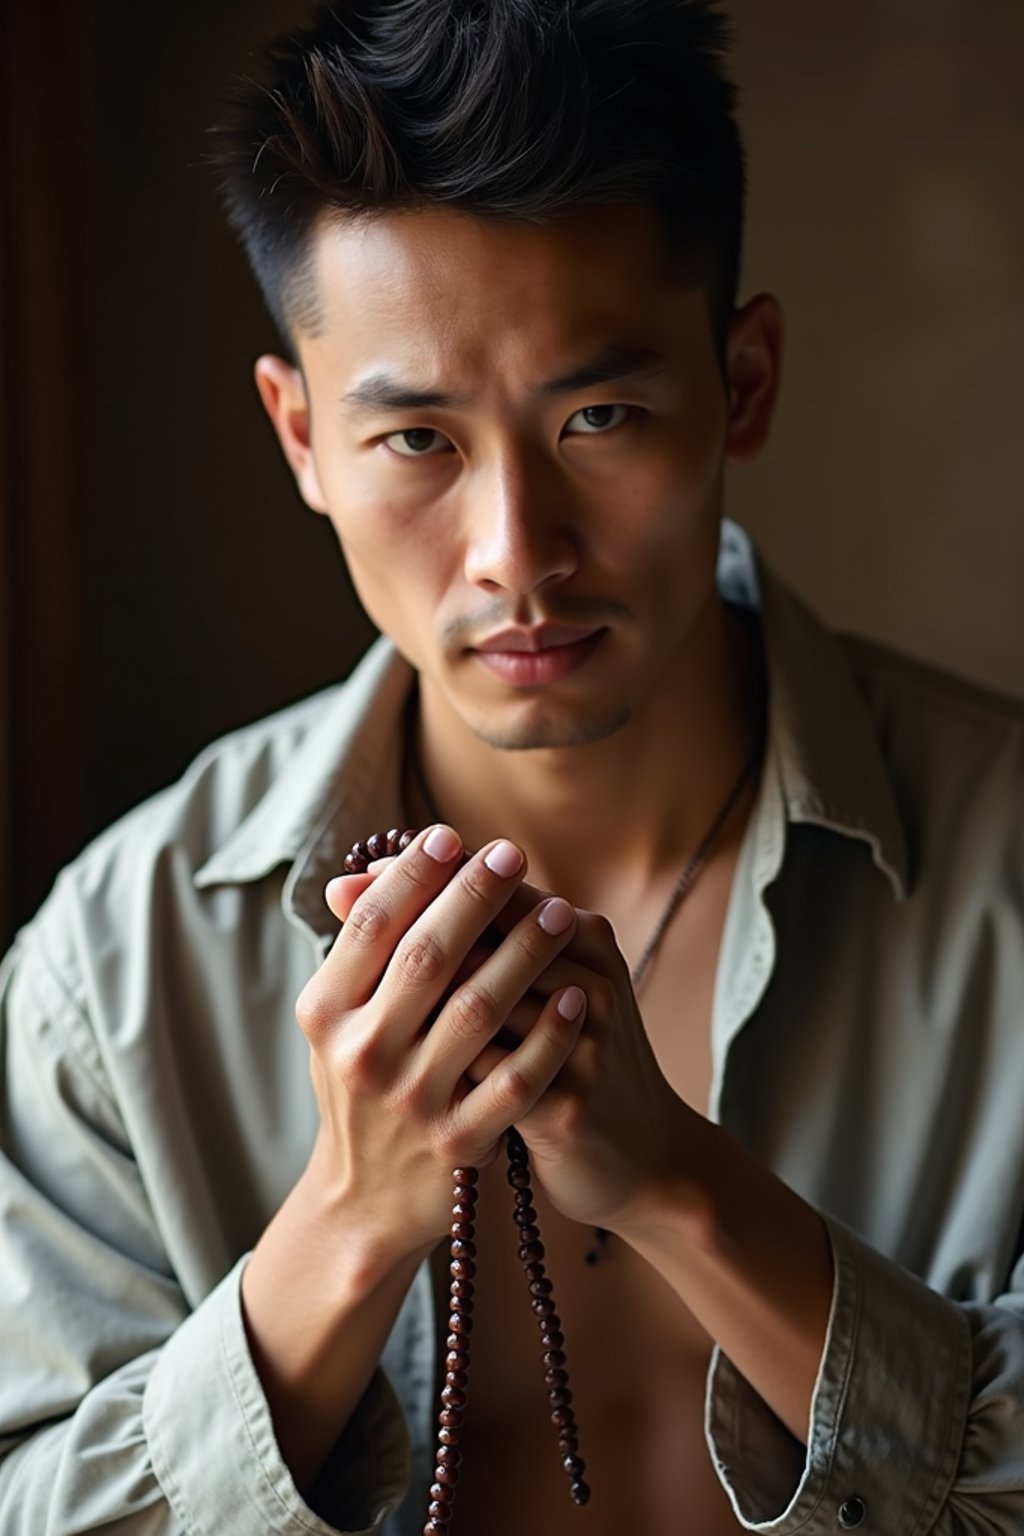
<point>461,1268</point>
<point>454,1393</point>
<point>556,1377</point>
<point>462,1272</point>
<point>380,845</point>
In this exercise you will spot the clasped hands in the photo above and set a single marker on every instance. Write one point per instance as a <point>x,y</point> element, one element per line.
<point>458,1000</point>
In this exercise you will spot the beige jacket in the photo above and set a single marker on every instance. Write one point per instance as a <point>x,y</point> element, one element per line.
<point>155,1109</point>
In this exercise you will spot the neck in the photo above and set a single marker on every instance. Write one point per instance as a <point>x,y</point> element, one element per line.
<point>644,796</point>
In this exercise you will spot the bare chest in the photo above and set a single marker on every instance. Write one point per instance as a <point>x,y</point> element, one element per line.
<point>637,1357</point>
<point>638,1364</point>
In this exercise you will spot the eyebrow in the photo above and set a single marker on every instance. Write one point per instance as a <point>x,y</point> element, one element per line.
<point>609,366</point>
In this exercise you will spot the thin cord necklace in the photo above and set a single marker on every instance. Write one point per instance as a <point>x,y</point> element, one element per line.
<point>696,862</point>
<point>462,1231</point>
<point>691,869</point>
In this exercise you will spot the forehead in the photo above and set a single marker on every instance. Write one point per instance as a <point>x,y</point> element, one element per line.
<point>440,292</point>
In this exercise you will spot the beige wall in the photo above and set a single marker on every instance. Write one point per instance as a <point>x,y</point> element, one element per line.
<point>887,165</point>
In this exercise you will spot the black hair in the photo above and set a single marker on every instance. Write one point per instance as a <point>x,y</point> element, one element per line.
<point>522,110</point>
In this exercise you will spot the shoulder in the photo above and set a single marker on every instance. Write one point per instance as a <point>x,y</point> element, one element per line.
<point>923,712</point>
<point>953,751</point>
<point>217,792</point>
<point>128,929</point>
<point>928,693</point>
<point>137,885</point>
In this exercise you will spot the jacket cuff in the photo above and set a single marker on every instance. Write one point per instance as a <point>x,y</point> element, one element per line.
<point>213,1447</point>
<point>888,1413</point>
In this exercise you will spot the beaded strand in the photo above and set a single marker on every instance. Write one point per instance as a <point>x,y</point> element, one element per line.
<point>462,1273</point>
<point>462,1270</point>
<point>556,1376</point>
<point>379,845</point>
<point>462,1247</point>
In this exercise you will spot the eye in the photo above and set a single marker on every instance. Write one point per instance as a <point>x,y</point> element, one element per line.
<point>594,419</point>
<point>417,443</point>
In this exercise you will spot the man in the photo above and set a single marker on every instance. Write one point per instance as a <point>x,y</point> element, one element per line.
<point>721,914</point>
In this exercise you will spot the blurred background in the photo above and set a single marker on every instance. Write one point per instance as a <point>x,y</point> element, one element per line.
<point>162,582</point>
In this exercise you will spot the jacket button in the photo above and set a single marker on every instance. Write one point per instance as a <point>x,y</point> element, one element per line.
<point>851,1514</point>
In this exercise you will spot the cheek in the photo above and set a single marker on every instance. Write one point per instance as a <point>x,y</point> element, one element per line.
<point>377,524</point>
<point>389,545</point>
<point>668,533</point>
<point>670,505</point>
<point>693,489</point>
<point>697,448</point>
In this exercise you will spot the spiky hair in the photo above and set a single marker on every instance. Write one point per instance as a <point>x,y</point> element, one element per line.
<point>506,109</point>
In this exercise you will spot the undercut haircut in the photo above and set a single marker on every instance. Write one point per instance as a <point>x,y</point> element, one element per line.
<point>517,110</point>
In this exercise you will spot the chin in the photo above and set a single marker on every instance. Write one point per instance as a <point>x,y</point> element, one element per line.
<point>538,734</point>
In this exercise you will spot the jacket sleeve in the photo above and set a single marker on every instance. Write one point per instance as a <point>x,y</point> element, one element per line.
<point>119,1405</point>
<point>917,1419</point>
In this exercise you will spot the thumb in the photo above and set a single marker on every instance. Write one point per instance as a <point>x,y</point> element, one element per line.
<point>342,893</point>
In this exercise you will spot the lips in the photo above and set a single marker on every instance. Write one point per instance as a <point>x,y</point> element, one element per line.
<point>544,637</point>
<point>532,658</point>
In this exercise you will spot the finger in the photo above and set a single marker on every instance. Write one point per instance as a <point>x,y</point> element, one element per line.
<point>482,950</point>
<point>561,972</point>
<point>382,913</point>
<point>593,944</point>
<point>480,1006</point>
<point>341,893</point>
<point>519,1078</point>
<point>490,1057</point>
<point>524,900</point>
<point>591,960</point>
<point>511,1034</point>
<point>428,956</point>
<point>519,1022</point>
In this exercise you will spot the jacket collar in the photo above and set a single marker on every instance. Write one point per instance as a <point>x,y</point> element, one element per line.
<point>831,769</point>
<point>345,775</point>
<point>331,783</point>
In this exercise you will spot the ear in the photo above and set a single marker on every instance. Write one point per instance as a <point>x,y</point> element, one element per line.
<point>283,392</point>
<point>753,369</point>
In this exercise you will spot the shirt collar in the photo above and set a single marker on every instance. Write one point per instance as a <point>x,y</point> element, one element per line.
<point>821,736</point>
<point>344,778</point>
<point>344,770</point>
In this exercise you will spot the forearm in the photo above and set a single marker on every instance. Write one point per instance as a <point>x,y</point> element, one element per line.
<point>752,1261</point>
<point>320,1296</point>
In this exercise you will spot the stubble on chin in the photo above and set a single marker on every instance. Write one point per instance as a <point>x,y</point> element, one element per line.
<point>546,727</point>
<point>537,735</point>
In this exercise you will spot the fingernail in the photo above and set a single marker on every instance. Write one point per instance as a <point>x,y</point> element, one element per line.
<point>442,845</point>
<point>333,888</point>
<point>504,859</point>
<point>555,916</point>
<point>570,1004</point>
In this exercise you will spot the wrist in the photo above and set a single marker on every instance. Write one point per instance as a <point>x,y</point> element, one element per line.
<point>359,1238</point>
<point>319,1295</point>
<point>680,1201</point>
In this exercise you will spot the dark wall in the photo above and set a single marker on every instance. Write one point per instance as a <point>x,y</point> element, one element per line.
<point>216,594</point>
<point>160,579</point>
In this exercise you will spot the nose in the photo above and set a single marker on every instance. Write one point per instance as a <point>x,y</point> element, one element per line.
<point>520,533</point>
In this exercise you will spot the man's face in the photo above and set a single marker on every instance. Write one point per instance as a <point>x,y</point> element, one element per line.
<point>518,428</point>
